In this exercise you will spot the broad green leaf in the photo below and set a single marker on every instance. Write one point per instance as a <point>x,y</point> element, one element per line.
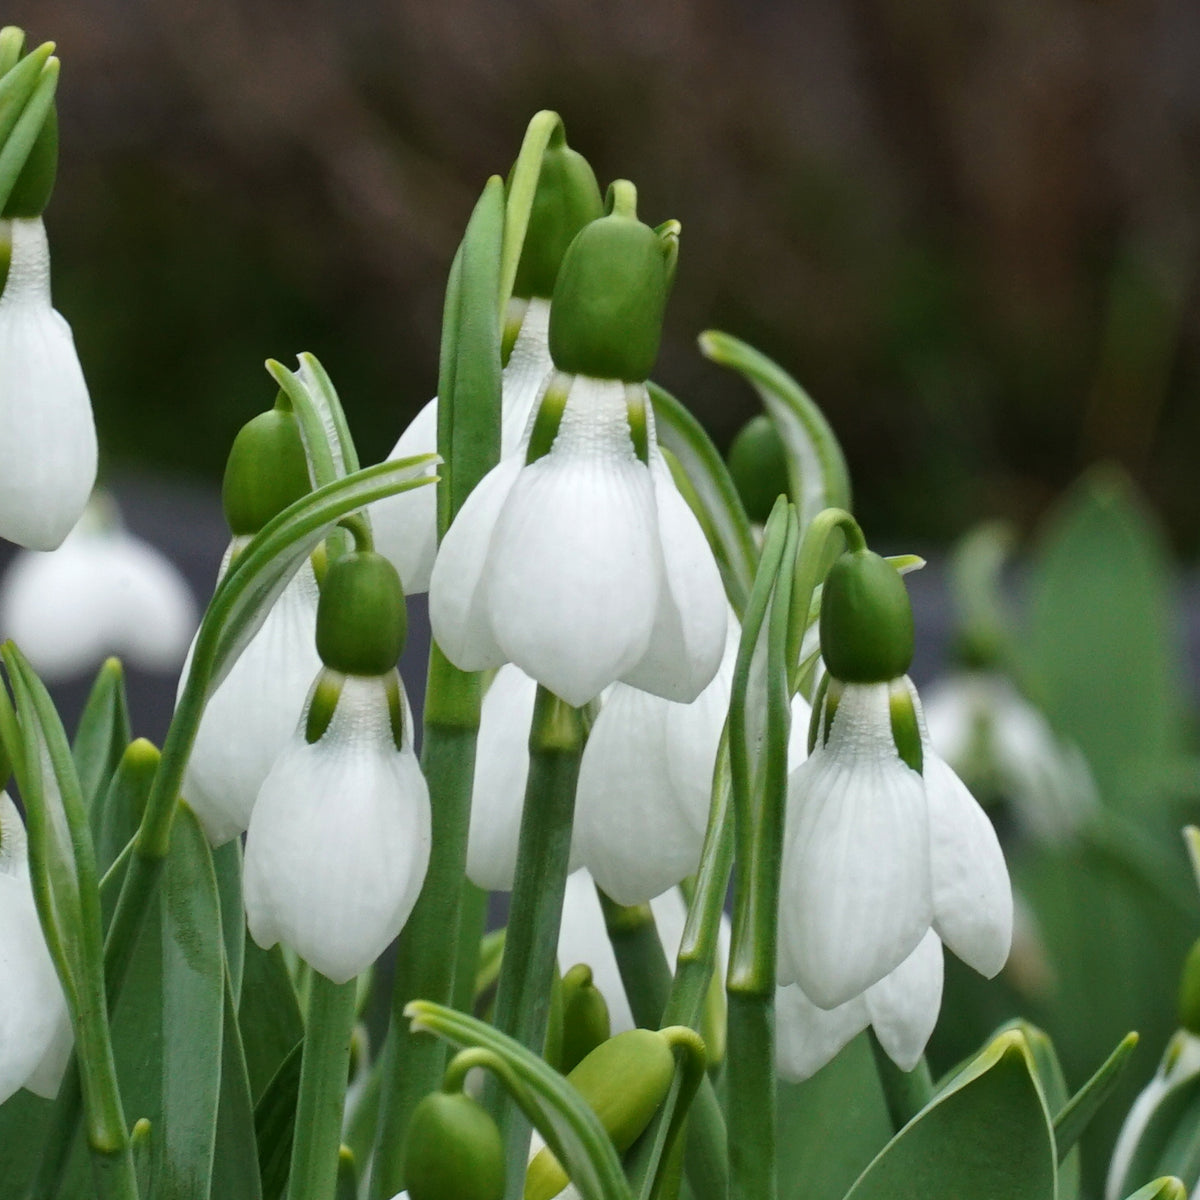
<point>987,1136</point>
<point>23,1120</point>
<point>268,1014</point>
<point>1103,649</point>
<point>720,509</point>
<point>235,1159</point>
<point>102,734</point>
<point>274,1124</point>
<point>831,1126</point>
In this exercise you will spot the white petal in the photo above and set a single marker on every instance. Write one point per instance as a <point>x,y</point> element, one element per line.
<point>574,568</point>
<point>525,374</point>
<point>405,525</point>
<point>339,840</point>
<point>797,750</point>
<point>47,434</point>
<point>972,897</point>
<point>904,1005</point>
<point>855,895</point>
<point>807,1037</point>
<point>501,771</point>
<point>458,603</point>
<point>254,712</point>
<point>688,640</point>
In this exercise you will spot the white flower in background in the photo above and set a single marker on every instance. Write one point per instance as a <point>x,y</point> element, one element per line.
<point>339,837</point>
<point>102,592</point>
<point>584,566</point>
<point>995,738</point>
<point>35,1032</point>
<point>254,711</point>
<point>47,434</point>
<point>405,526</point>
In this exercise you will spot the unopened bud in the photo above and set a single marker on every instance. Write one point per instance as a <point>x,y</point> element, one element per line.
<point>866,620</point>
<point>267,470</point>
<point>453,1151</point>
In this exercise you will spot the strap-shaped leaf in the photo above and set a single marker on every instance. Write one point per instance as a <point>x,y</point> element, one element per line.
<point>274,1124</point>
<point>1167,1188</point>
<point>269,1015</point>
<point>103,732</point>
<point>1073,1118</point>
<point>235,1158</point>
<point>522,187</point>
<point>26,99</point>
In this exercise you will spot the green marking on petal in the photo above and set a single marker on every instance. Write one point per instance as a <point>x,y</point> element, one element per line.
<point>636,403</point>
<point>906,733</point>
<point>549,417</point>
<point>395,702</point>
<point>514,318</point>
<point>326,694</point>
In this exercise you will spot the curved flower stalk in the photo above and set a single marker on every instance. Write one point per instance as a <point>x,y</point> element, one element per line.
<point>47,433</point>
<point>35,1031</point>
<point>102,592</point>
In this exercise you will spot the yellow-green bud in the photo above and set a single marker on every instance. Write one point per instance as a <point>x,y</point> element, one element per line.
<point>585,1021</point>
<point>758,465</point>
<point>866,620</point>
<point>267,470</point>
<point>566,199</point>
<point>361,618</point>
<point>624,1080</point>
<point>1189,992</point>
<point>453,1151</point>
<point>607,312</point>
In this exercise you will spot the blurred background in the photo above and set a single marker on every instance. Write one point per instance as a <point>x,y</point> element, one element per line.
<point>969,229</point>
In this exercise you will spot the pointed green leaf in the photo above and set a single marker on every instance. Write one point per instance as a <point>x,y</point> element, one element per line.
<point>235,1159</point>
<point>1167,1188</point>
<point>268,1014</point>
<point>103,732</point>
<point>521,190</point>
<point>19,144</point>
<point>227,864</point>
<point>1074,1116</point>
<point>274,1124</point>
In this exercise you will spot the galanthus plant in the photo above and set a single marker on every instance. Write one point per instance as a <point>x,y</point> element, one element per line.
<point>637,700</point>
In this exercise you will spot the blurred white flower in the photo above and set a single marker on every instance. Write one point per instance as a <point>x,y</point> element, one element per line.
<point>47,434</point>
<point>339,837</point>
<point>35,1031</point>
<point>102,592</point>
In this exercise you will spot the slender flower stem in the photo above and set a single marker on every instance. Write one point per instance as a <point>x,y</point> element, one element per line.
<point>471,926</point>
<point>750,1084</point>
<point>425,966</point>
<point>905,1092</point>
<point>323,1076</point>
<point>556,740</point>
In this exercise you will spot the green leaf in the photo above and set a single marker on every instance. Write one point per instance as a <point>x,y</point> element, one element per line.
<point>268,1014</point>
<point>103,733</point>
<point>1074,1116</point>
<point>721,513</point>
<point>26,99</point>
<point>521,190</point>
<point>987,1136</point>
<point>816,464</point>
<point>1167,1188</point>
<point>274,1124</point>
<point>1102,649</point>
<point>23,1119</point>
<point>115,818</point>
<point>235,1159</point>
<point>227,864</point>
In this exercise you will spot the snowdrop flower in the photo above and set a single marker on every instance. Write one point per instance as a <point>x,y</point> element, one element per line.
<point>882,842</point>
<point>35,1032</point>
<point>339,835</point>
<point>102,592</point>
<point>47,434</point>
<point>576,557</point>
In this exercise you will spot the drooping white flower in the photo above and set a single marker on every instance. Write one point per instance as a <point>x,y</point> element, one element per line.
<point>253,712</point>
<point>339,837</point>
<point>584,566</point>
<point>102,592</point>
<point>405,525</point>
<point>47,434</point>
<point>35,1031</point>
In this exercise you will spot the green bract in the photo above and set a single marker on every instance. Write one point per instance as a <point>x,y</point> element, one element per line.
<point>31,192</point>
<point>758,463</point>
<point>453,1151</point>
<point>606,316</point>
<point>267,470</point>
<point>866,620</point>
<point>361,619</point>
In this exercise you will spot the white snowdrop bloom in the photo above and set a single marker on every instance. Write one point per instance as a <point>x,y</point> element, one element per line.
<point>35,1031</point>
<point>585,565</point>
<point>902,1007</point>
<point>252,714</point>
<point>102,592</point>
<point>405,526</point>
<point>339,837</point>
<point>995,738</point>
<point>47,434</point>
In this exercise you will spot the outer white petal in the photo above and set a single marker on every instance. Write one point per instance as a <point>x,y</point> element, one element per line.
<point>903,1006</point>
<point>405,525</point>
<point>972,897</point>
<point>458,600</point>
<point>525,374</point>
<point>797,750</point>
<point>32,1009</point>
<point>47,434</point>
<point>688,640</point>
<point>807,1037</point>
<point>501,771</point>
<point>253,713</point>
<point>339,840</point>
<point>574,568</point>
<point>855,896</point>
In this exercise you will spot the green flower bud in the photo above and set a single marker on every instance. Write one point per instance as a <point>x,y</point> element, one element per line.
<point>31,192</point>
<point>567,198</point>
<point>758,465</point>
<point>267,470</point>
<point>624,1080</point>
<point>866,620</point>
<point>606,315</point>
<point>361,618</point>
<point>1189,991</point>
<point>585,1022</point>
<point>453,1151</point>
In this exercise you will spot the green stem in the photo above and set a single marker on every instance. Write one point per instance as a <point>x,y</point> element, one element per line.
<point>750,1074</point>
<point>556,740</point>
<point>425,964</point>
<point>471,926</point>
<point>323,1076</point>
<point>113,1174</point>
<point>905,1092</point>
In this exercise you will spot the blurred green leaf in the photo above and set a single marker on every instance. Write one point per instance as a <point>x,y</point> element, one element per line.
<point>115,817</point>
<point>1167,1188</point>
<point>268,1015</point>
<point>1072,1119</point>
<point>227,864</point>
<point>274,1124</point>
<point>235,1157</point>
<point>23,1119</point>
<point>102,734</point>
